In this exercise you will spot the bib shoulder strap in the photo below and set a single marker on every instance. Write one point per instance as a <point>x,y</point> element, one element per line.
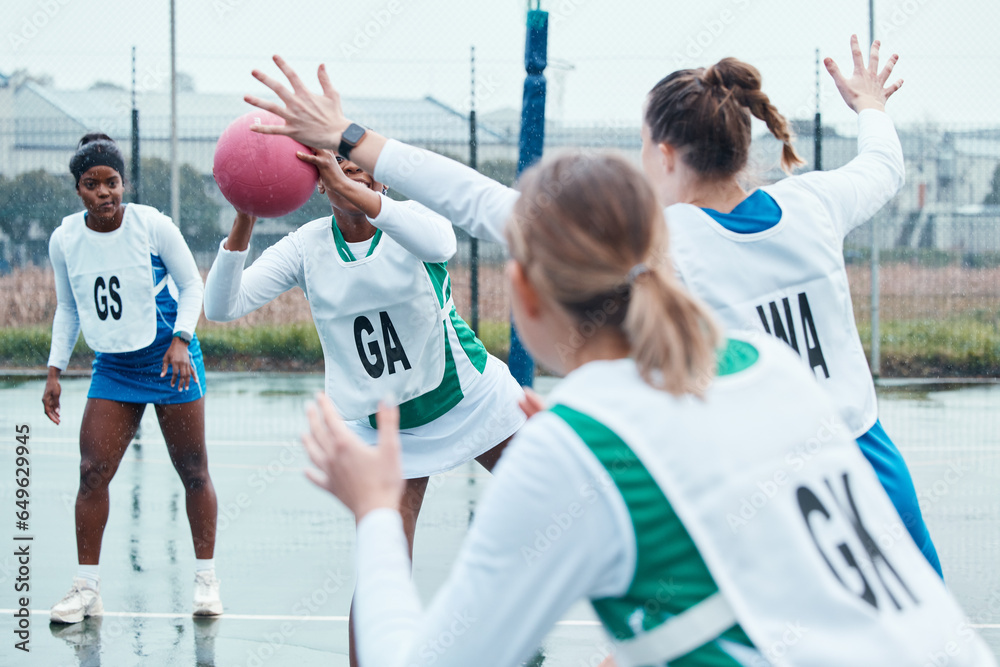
<point>681,634</point>
<point>74,219</point>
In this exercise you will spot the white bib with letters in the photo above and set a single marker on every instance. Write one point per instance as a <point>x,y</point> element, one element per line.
<point>111,274</point>
<point>808,552</point>
<point>379,321</point>
<point>788,281</point>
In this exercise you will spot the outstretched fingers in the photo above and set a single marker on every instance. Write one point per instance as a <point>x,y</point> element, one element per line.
<point>318,478</point>
<point>873,58</point>
<point>388,431</point>
<point>834,70</point>
<point>325,84</point>
<point>291,75</point>
<point>318,441</point>
<point>317,454</point>
<point>893,88</point>
<point>275,85</point>
<point>859,62</point>
<point>335,424</point>
<point>274,108</point>
<point>266,105</point>
<point>887,70</point>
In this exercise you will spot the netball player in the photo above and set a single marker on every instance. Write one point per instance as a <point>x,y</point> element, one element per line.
<point>619,493</point>
<point>754,260</point>
<point>772,259</point>
<point>375,274</point>
<point>125,276</point>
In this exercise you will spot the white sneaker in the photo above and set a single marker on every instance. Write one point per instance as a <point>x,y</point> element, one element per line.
<point>81,601</point>
<point>206,594</point>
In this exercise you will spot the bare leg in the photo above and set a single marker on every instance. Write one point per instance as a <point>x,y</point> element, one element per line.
<point>183,426</point>
<point>413,499</point>
<point>489,458</point>
<point>409,507</point>
<point>107,429</point>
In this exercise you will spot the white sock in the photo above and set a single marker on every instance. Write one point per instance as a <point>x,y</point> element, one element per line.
<point>91,573</point>
<point>204,565</point>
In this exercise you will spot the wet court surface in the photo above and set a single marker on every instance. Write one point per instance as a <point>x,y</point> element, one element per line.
<point>284,551</point>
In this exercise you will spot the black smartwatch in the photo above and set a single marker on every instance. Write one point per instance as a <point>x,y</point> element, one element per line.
<point>349,139</point>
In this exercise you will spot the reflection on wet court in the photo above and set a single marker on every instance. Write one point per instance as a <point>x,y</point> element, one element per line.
<point>284,550</point>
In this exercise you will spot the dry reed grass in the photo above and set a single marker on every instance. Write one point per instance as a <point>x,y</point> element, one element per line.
<point>27,296</point>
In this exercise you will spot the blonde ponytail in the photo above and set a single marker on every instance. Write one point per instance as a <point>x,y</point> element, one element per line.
<point>672,336</point>
<point>591,237</point>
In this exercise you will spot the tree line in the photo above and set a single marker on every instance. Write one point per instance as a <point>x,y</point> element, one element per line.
<point>33,204</point>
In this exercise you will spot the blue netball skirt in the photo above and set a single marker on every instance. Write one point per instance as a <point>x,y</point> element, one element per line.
<point>891,469</point>
<point>134,377</point>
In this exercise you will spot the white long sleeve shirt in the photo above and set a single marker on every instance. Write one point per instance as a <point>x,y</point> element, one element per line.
<point>480,206</point>
<point>165,242</point>
<point>852,194</point>
<point>231,292</point>
<point>551,530</point>
<point>471,201</point>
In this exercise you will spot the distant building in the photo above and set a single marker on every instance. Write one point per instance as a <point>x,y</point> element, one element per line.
<point>948,171</point>
<point>948,175</point>
<point>40,126</point>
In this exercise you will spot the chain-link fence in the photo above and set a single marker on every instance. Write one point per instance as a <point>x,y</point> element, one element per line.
<point>939,240</point>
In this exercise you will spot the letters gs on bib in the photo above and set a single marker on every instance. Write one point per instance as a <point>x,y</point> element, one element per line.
<point>784,328</point>
<point>106,298</point>
<point>369,350</point>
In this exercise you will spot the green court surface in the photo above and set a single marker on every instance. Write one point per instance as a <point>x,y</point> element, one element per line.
<point>285,549</point>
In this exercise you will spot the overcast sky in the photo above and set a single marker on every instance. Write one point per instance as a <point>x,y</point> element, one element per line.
<point>604,55</point>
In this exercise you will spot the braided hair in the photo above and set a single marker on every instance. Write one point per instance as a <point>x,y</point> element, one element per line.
<point>706,113</point>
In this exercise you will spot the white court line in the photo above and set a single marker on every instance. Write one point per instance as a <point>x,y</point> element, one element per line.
<point>336,619</point>
<point>293,441</point>
<point>251,617</point>
<point>211,442</point>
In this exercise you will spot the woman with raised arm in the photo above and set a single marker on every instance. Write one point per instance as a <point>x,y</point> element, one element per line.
<point>770,260</point>
<point>773,259</point>
<point>623,492</point>
<point>375,274</point>
<point>125,276</point>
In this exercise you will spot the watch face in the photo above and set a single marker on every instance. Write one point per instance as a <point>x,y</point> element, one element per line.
<point>353,133</point>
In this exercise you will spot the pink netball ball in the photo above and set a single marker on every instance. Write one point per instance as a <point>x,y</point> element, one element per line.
<point>259,173</point>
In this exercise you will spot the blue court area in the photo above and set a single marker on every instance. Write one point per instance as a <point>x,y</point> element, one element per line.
<point>285,549</point>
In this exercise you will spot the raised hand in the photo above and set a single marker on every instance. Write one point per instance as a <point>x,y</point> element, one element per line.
<point>363,478</point>
<point>866,88</point>
<point>314,120</point>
